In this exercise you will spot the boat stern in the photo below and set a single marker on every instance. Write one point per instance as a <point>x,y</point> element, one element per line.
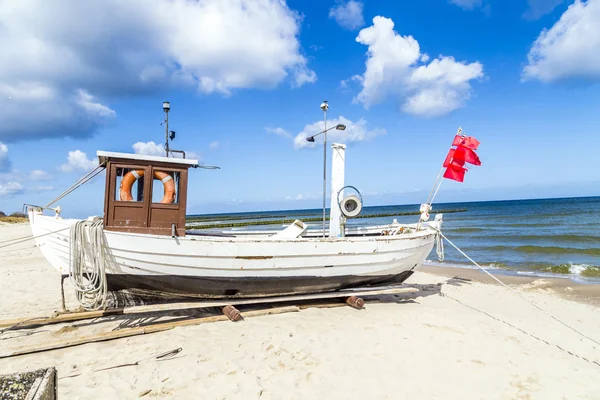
<point>51,235</point>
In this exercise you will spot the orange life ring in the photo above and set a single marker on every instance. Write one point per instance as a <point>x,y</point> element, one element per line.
<point>133,175</point>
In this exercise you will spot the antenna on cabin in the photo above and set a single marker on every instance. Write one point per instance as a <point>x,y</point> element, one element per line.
<point>169,135</point>
<point>166,109</point>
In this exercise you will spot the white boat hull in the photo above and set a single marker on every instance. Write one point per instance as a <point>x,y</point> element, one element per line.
<point>241,266</point>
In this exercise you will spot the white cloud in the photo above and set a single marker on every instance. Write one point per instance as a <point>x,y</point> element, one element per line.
<point>89,103</point>
<point>10,179</point>
<point>77,160</point>
<point>348,15</point>
<point>149,149</point>
<point>192,155</point>
<point>39,175</point>
<point>304,76</point>
<point>154,149</point>
<point>396,67</point>
<point>301,197</point>
<point>11,189</point>
<point>355,132</point>
<point>570,49</point>
<point>345,83</point>
<point>539,8</point>
<point>41,188</point>
<point>5,164</point>
<point>53,62</point>
<point>214,145</point>
<point>467,4</point>
<point>34,109</point>
<point>279,132</point>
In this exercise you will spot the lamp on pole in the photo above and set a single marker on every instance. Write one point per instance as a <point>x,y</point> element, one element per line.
<point>324,107</point>
<point>339,127</point>
<point>166,108</point>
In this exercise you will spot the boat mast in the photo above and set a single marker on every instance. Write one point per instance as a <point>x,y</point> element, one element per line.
<point>169,135</point>
<point>166,108</point>
<point>324,107</point>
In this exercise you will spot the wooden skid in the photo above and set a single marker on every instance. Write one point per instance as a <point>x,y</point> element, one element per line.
<point>78,316</point>
<point>126,332</point>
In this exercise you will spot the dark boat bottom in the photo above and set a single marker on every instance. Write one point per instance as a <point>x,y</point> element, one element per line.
<point>185,286</point>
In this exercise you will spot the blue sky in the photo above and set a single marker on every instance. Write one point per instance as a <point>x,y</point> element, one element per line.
<point>245,80</point>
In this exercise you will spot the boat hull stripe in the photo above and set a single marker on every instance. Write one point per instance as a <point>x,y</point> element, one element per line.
<point>210,287</point>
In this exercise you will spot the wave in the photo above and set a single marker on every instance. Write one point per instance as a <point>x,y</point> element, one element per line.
<point>465,230</point>
<point>580,270</point>
<point>523,224</point>
<point>545,249</point>
<point>558,238</point>
<point>590,271</point>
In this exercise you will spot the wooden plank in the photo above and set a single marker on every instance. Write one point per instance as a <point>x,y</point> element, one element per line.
<point>48,389</point>
<point>58,318</point>
<point>78,316</point>
<point>142,330</point>
<point>34,388</point>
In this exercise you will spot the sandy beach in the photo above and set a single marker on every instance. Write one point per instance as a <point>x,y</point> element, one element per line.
<point>460,337</point>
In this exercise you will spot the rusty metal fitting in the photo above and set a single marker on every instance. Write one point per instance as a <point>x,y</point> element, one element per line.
<point>232,313</point>
<point>355,302</point>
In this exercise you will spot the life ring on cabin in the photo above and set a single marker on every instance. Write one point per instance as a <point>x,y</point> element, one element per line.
<point>133,175</point>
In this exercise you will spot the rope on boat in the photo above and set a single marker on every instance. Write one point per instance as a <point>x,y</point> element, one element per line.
<point>87,261</point>
<point>27,238</point>
<point>439,245</point>
<point>520,329</point>
<point>519,294</point>
<point>86,178</point>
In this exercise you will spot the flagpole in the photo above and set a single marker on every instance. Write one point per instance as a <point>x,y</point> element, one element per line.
<point>437,181</point>
<point>436,185</point>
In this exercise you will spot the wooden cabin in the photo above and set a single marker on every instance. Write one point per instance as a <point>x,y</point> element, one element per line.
<point>145,194</point>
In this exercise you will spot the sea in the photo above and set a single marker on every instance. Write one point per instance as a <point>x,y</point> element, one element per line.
<point>539,237</point>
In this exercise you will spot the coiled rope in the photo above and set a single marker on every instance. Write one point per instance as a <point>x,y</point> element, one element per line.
<point>87,262</point>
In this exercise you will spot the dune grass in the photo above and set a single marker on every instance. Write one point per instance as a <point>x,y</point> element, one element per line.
<point>13,220</point>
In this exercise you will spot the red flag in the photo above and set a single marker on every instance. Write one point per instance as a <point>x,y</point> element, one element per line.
<point>456,157</point>
<point>455,172</point>
<point>449,158</point>
<point>467,141</point>
<point>467,155</point>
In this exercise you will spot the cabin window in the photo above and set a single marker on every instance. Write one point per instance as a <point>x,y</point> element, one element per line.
<point>165,187</point>
<point>130,184</point>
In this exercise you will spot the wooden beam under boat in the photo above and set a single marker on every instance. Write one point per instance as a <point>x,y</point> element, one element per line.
<point>14,324</point>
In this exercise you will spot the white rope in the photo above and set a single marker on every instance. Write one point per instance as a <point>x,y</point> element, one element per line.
<point>87,263</point>
<point>27,238</point>
<point>517,293</point>
<point>86,178</point>
<point>439,246</point>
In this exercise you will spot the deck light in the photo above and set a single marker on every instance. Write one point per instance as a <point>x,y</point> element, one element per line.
<point>339,127</point>
<point>311,139</point>
<point>166,106</point>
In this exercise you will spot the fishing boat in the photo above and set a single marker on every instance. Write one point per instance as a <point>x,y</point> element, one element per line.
<point>141,242</point>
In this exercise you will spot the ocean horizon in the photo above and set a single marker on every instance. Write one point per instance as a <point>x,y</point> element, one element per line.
<point>554,237</point>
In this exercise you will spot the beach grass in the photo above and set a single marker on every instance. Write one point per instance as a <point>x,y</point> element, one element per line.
<point>13,220</point>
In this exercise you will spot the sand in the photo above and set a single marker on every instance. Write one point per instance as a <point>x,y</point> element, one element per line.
<point>457,339</point>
